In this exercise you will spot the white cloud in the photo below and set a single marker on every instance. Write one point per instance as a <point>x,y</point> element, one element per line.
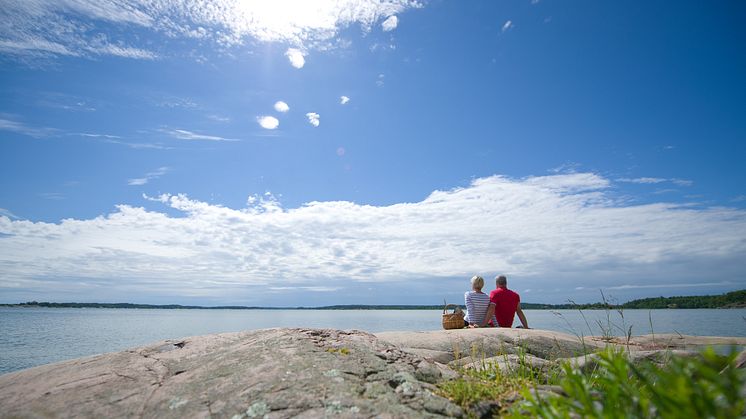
<point>645,286</point>
<point>77,27</point>
<point>682,182</point>
<point>642,180</point>
<point>123,51</point>
<point>313,118</point>
<point>183,134</point>
<point>295,56</point>
<point>281,106</point>
<point>343,100</point>
<point>91,135</point>
<point>52,196</point>
<point>542,231</point>
<point>116,139</point>
<point>507,26</point>
<point>148,176</point>
<point>7,213</point>
<point>268,122</point>
<point>219,118</point>
<point>312,289</point>
<point>390,24</point>
<point>21,128</point>
<point>654,180</point>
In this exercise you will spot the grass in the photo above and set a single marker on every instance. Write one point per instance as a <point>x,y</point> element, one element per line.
<point>708,386</point>
<point>486,383</point>
<point>704,386</point>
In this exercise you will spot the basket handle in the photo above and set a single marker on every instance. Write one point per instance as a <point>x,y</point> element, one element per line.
<point>456,308</point>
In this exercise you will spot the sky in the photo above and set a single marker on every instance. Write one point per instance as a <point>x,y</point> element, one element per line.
<point>296,153</point>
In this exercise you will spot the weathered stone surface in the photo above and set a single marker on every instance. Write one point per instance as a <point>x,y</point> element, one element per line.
<point>448,345</point>
<point>272,373</point>
<point>277,373</point>
<point>671,341</point>
<point>509,362</point>
<point>660,356</point>
<point>463,347</point>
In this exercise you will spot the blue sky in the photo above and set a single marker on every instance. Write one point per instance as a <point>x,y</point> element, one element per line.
<point>311,153</point>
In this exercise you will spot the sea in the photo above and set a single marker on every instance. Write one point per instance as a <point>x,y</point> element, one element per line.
<point>32,336</point>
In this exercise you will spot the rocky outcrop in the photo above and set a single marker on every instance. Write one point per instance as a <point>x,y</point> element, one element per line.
<point>278,373</point>
<point>274,373</point>
<point>445,346</point>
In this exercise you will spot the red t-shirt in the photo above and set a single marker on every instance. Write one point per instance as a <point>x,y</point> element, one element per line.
<point>506,303</point>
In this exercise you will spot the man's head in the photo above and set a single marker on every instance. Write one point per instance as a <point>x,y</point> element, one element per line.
<point>501,281</point>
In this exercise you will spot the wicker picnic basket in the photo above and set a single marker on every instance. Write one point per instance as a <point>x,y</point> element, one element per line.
<point>453,320</point>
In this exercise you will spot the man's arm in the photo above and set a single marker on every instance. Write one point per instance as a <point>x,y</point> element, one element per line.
<point>521,316</point>
<point>488,315</point>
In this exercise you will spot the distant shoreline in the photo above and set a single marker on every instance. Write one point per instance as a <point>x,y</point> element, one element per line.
<point>735,299</point>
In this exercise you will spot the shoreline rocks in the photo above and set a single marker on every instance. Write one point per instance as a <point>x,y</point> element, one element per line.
<point>279,373</point>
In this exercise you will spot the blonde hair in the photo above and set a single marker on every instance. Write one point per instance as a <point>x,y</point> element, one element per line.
<point>477,282</point>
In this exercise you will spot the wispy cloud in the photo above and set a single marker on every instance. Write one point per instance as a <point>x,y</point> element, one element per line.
<point>24,129</point>
<point>76,27</point>
<point>281,106</point>
<point>268,122</point>
<point>157,173</point>
<point>124,51</point>
<point>390,23</point>
<point>312,289</point>
<point>682,182</point>
<point>296,58</point>
<point>645,286</point>
<point>67,102</point>
<point>219,118</point>
<point>655,180</point>
<point>7,213</point>
<point>116,139</point>
<point>52,196</point>
<point>91,135</point>
<point>313,118</point>
<point>343,100</point>
<point>542,231</point>
<point>175,102</point>
<point>183,134</point>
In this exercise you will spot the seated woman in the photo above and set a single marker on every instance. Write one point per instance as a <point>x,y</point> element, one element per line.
<point>477,304</point>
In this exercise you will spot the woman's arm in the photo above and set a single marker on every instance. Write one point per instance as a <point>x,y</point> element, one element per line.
<point>469,306</point>
<point>488,316</point>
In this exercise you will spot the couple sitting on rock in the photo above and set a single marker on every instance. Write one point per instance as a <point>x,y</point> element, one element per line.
<point>498,309</point>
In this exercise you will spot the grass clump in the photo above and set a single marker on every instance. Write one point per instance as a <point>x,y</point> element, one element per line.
<point>702,387</point>
<point>486,384</point>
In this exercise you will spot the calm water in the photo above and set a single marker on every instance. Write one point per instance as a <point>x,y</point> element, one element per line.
<point>36,336</point>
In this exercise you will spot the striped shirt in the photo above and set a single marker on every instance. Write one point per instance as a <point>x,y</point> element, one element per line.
<point>477,304</point>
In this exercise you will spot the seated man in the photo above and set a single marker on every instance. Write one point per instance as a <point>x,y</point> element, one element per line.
<point>504,304</point>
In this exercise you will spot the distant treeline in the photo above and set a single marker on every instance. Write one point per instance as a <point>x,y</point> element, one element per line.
<point>735,299</point>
